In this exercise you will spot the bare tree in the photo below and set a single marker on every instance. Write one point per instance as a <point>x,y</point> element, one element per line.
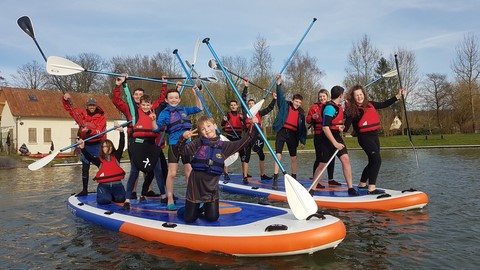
<point>304,76</point>
<point>261,63</point>
<point>466,67</point>
<point>460,116</point>
<point>31,75</point>
<point>363,59</point>
<point>3,82</point>
<point>436,95</point>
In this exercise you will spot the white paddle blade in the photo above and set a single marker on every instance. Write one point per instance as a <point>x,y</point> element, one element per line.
<point>231,159</point>
<point>255,108</point>
<point>195,51</point>
<point>391,73</point>
<point>61,66</point>
<point>212,63</point>
<point>300,201</point>
<point>43,161</point>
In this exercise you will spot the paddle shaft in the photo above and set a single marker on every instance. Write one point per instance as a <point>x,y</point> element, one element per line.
<point>211,96</point>
<point>317,179</point>
<point>290,58</point>
<point>94,136</point>
<point>244,105</point>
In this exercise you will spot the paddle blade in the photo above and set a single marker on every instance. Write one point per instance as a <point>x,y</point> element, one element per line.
<point>231,159</point>
<point>209,79</point>
<point>195,51</point>
<point>42,162</point>
<point>255,108</point>
<point>60,66</point>
<point>299,199</point>
<point>391,73</point>
<point>212,63</point>
<point>26,25</point>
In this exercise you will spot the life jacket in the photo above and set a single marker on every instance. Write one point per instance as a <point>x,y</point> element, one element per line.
<point>370,120</point>
<point>292,119</point>
<point>236,122</point>
<point>209,157</point>
<point>248,124</point>
<point>178,119</point>
<point>317,124</point>
<point>109,171</point>
<point>338,118</point>
<point>143,126</point>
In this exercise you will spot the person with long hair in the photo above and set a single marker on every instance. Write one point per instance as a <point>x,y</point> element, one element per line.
<point>364,118</point>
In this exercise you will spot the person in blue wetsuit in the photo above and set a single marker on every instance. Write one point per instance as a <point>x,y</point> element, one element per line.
<point>175,117</point>
<point>209,154</point>
<point>110,174</point>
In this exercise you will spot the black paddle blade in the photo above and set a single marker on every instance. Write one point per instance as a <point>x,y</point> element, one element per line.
<point>26,25</point>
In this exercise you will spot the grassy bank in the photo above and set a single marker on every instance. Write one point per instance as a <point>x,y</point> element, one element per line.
<point>403,141</point>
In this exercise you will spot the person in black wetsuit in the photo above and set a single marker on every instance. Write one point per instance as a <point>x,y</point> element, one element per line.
<point>363,116</point>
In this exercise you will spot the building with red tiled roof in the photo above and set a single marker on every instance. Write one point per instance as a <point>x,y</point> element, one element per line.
<point>37,118</point>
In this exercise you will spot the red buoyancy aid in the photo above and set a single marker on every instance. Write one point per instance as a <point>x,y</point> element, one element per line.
<point>209,157</point>
<point>370,120</point>
<point>248,124</point>
<point>109,171</point>
<point>317,124</point>
<point>292,119</point>
<point>338,119</point>
<point>236,122</point>
<point>143,127</point>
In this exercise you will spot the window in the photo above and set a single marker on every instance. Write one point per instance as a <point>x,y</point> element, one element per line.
<point>47,135</point>
<point>33,98</point>
<point>32,135</point>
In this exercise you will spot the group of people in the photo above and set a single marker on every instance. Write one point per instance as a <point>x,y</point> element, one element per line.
<point>204,158</point>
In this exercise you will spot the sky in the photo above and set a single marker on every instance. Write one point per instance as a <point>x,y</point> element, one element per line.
<point>432,29</point>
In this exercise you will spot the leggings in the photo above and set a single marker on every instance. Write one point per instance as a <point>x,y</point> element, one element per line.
<point>318,157</point>
<point>210,211</point>
<point>371,145</point>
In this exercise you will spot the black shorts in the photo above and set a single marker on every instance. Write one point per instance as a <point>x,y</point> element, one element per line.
<point>327,149</point>
<point>290,138</point>
<point>174,155</point>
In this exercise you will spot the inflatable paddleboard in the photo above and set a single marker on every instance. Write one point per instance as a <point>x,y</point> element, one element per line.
<point>243,229</point>
<point>335,197</point>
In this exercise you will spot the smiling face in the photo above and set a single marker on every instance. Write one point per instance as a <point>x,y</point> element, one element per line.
<point>106,148</point>
<point>250,103</point>
<point>208,129</point>
<point>137,95</point>
<point>358,96</point>
<point>322,98</point>
<point>173,98</point>
<point>91,108</point>
<point>146,106</point>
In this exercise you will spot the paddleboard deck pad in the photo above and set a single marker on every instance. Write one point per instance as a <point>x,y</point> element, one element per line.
<point>335,197</point>
<point>243,229</point>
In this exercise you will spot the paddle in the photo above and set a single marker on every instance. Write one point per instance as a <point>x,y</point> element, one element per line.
<point>230,159</point>
<point>206,79</point>
<point>44,161</point>
<point>405,109</point>
<point>317,179</point>
<point>26,25</point>
<point>389,74</point>
<point>211,95</point>
<point>299,200</point>
<point>212,63</point>
<point>61,67</point>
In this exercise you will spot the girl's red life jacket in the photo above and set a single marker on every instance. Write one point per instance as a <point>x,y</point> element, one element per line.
<point>370,120</point>
<point>109,171</point>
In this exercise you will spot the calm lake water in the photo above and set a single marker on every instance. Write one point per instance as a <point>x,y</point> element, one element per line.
<point>38,232</point>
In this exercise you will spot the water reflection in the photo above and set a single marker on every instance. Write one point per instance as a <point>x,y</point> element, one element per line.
<point>38,232</point>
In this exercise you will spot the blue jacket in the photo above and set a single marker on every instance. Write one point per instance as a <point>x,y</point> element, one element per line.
<point>283,113</point>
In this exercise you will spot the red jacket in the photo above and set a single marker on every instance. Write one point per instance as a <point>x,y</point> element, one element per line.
<point>95,123</point>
